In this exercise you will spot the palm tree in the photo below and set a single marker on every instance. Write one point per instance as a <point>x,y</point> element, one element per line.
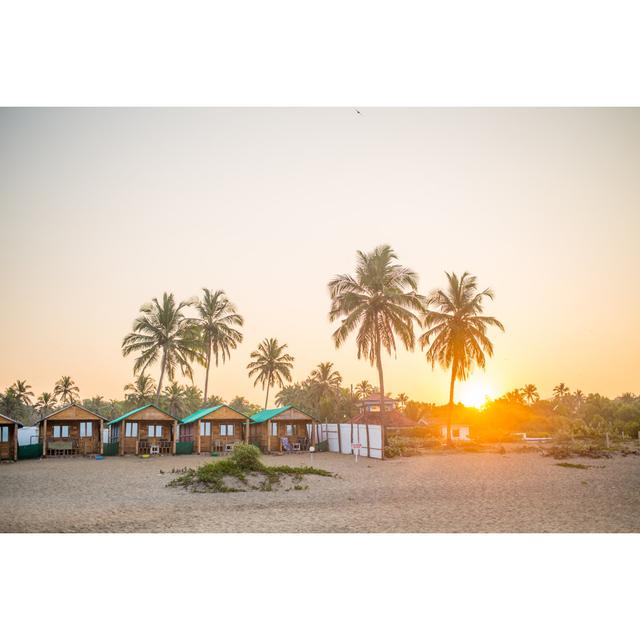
<point>324,387</point>
<point>192,399</point>
<point>325,379</point>
<point>363,389</point>
<point>560,391</point>
<point>456,330</point>
<point>174,397</point>
<point>530,393</point>
<point>163,332</point>
<point>217,322</point>
<point>66,390</point>
<point>379,302</point>
<point>23,391</point>
<point>271,365</point>
<point>9,403</point>
<point>141,390</point>
<point>402,399</point>
<point>45,403</point>
<point>516,396</point>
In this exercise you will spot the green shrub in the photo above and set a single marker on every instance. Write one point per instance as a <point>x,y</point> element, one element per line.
<point>322,446</point>
<point>247,457</point>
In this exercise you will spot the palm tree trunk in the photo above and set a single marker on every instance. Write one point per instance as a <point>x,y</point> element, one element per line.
<point>454,370</point>
<point>379,366</point>
<point>266,400</point>
<point>206,379</point>
<point>162,367</point>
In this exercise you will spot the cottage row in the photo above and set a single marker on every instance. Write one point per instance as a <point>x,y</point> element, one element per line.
<point>75,429</point>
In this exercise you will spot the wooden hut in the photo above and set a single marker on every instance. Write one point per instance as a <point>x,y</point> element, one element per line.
<point>270,428</point>
<point>147,429</point>
<point>9,438</point>
<point>215,429</point>
<point>71,430</point>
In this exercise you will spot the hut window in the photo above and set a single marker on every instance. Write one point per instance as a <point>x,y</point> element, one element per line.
<point>274,428</point>
<point>60,431</point>
<point>289,429</point>
<point>86,429</point>
<point>131,429</point>
<point>155,431</point>
<point>226,429</point>
<point>205,428</point>
<point>4,434</point>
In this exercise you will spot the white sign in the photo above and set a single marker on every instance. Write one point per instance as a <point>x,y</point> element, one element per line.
<point>356,446</point>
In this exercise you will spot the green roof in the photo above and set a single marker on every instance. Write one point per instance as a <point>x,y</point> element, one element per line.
<point>124,416</point>
<point>268,414</point>
<point>206,411</point>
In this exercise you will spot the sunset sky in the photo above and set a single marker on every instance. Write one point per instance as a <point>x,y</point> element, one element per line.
<point>101,210</point>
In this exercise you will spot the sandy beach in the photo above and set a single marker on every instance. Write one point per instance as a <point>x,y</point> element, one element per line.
<point>469,492</point>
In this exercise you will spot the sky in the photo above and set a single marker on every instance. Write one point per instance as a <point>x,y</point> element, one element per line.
<point>103,209</point>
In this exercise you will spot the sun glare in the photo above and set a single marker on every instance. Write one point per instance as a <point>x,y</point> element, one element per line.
<point>474,393</point>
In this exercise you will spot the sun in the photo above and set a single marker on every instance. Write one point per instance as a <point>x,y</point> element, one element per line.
<point>474,393</point>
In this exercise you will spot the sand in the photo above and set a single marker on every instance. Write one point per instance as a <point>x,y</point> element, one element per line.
<point>459,492</point>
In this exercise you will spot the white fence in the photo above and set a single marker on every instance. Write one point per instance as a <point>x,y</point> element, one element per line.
<point>341,436</point>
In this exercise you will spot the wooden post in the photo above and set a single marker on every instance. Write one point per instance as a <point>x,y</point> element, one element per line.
<point>44,440</point>
<point>368,441</point>
<point>121,432</point>
<point>269,436</point>
<point>15,441</point>
<point>198,441</point>
<point>175,436</point>
<point>246,435</point>
<point>101,438</point>
<point>138,438</point>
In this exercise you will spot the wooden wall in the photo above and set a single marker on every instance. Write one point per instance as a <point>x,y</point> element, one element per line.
<point>7,449</point>
<point>85,445</point>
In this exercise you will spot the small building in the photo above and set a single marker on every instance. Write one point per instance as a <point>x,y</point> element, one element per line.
<point>9,438</point>
<point>215,428</point>
<point>459,432</point>
<point>71,430</point>
<point>145,430</point>
<point>275,429</point>
<point>372,403</point>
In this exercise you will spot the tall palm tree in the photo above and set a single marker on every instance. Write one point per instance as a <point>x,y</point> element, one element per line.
<point>66,390</point>
<point>163,332</point>
<point>23,391</point>
<point>402,399</point>
<point>141,390</point>
<point>174,398</point>
<point>363,389</point>
<point>217,322</point>
<point>45,403</point>
<point>379,302</point>
<point>271,365</point>
<point>530,393</point>
<point>456,330</point>
<point>560,391</point>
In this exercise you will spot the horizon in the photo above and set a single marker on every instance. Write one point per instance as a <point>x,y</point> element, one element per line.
<point>270,204</point>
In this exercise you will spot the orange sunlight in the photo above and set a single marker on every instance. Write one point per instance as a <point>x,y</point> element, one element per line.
<point>474,393</point>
